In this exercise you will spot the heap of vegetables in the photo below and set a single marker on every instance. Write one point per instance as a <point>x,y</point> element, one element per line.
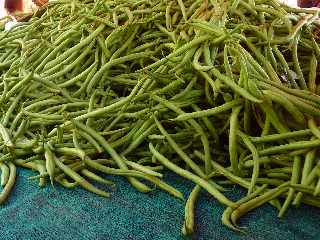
<point>218,92</point>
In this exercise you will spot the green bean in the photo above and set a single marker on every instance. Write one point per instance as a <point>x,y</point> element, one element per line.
<point>165,31</point>
<point>91,107</point>
<point>117,53</point>
<point>313,127</point>
<point>234,5</point>
<point>271,56</point>
<point>317,189</point>
<point>125,139</point>
<point>97,178</point>
<point>49,75</point>
<point>228,174</point>
<point>101,20</point>
<point>76,152</point>
<point>5,90</point>
<point>65,183</point>
<point>170,87</point>
<point>270,181</point>
<point>111,63</point>
<point>183,9</point>
<point>252,62</point>
<point>307,167</point>
<point>9,39</point>
<point>43,116</point>
<point>6,136</point>
<point>255,202</point>
<point>78,46</point>
<point>88,78</point>
<point>313,74</point>
<point>4,174</point>
<point>26,144</point>
<point>279,175</point>
<point>207,27</point>
<point>9,186</point>
<point>234,86</point>
<point>75,166</point>
<point>80,180</point>
<point>285,66</point>
<point>196,63</point>
<point>186,90</point>
<point>91,140</point>
<point>112,152</point>
<point>252,88</point>
<point>294,179</point>
<point>196,126</point>
<point>179,151</point>
<point>290,146</point>
<point>47,71</point>
<point>274,119</point>
<point>168,17</point>
<point>166,187</point>
<point>139,140</point>
<point>298,116</point>
<point>50,162</point>
<point>256,165</point>
<point>315,46</point>
<point>188,226</point>
<point>7,54</point>
<point>143,169</point>
<point>187,59</point>
<point>41,169</point>
<point>226,63</point>
<point>14,104</point>
<point>281,136</point>
<point>208,124</point>
<point>204,184</point>
<point>132,173</point>
<point>178,52</point>
<point>297,94</point>
<point>228,211</point>
<point>111,107</point>
<point>209,112</point>
<point>36,53</point>
<point>52,87</point>
<point>234,124</point>
<point>298,70</point>
<point>314,173</point>
<point>175,17</point>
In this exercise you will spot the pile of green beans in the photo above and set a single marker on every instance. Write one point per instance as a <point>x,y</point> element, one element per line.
<point>219,92</point>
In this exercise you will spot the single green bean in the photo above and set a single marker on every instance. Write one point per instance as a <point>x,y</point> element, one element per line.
<point>5,173</point>
<point>9,186</point>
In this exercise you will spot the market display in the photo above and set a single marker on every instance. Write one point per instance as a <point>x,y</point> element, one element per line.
<point>219,92</point>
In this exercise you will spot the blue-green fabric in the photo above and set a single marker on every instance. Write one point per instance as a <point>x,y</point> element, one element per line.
<point>34,213</point>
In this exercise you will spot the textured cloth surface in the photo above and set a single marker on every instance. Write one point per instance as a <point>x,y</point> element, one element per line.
<point>34,213</point>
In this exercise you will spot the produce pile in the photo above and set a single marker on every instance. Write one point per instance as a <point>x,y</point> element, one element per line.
<point>219,92</point>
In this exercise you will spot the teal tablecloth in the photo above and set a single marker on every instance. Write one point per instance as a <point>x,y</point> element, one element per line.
<point>33,213</point>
